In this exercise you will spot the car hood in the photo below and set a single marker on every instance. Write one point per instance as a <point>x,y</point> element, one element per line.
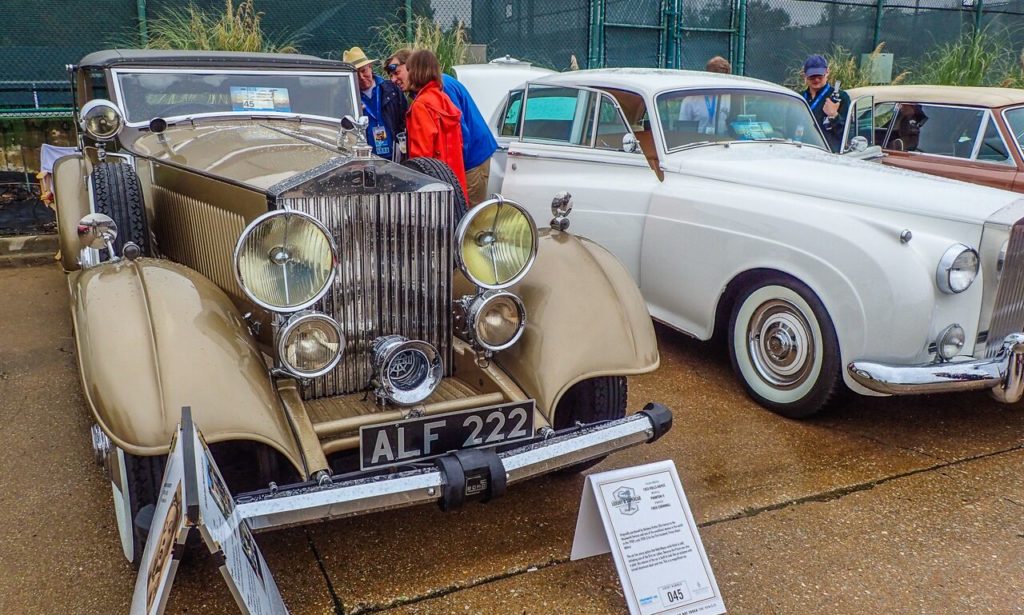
<point>810,171</point>
<point>258,154</point>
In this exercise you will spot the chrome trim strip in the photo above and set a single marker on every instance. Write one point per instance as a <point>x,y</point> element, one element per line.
<point>307,504</point>
<point>1004,374</point>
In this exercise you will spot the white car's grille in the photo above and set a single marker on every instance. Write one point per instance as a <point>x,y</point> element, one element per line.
<point>1008,313</point>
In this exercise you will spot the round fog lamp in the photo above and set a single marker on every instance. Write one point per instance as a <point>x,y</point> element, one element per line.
<point>957,269</point>
<point>100,119</point>
<point>496,319</point>
<point>405,371</point>
<point>496,243</point>
<point>285,261</point>
<point>310,344</point>
<point>950,342</point>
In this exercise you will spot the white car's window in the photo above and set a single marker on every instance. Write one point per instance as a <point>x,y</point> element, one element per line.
<point>145,95</point>
<point>935,129</point>
<point>611,128</point>
<point>694,117</point>
<point>560,115</point>
<point>508,125</point>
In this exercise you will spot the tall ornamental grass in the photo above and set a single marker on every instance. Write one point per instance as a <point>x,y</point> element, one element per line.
<point>981,57</point>
<point>237,28</point>
<point>451,46</point>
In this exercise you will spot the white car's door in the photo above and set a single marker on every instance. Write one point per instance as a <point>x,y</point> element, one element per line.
<point>505,125</point>
<point>576,139</point>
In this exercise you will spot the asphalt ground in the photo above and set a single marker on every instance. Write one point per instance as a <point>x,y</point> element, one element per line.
<point>898,505</point>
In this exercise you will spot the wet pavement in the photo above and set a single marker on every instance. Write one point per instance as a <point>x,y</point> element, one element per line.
<point>908,505</point>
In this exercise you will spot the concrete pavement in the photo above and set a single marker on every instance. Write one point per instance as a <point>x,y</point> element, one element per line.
<point>912,505</point>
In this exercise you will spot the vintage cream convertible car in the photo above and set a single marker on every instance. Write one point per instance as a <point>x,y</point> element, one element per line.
<point>817,268</point>
<point>232,247</point>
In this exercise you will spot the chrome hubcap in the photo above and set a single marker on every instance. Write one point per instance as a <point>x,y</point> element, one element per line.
<point>781,344</point>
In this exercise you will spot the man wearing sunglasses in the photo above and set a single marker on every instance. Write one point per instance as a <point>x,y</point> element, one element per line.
<point>478,144</point>
<point>828,105</point>
<point>383,103</point>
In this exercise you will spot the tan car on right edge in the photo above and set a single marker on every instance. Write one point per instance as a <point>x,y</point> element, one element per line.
<point>968,133</point>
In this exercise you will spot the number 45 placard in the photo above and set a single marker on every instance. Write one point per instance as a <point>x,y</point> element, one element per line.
<point>640,514</point>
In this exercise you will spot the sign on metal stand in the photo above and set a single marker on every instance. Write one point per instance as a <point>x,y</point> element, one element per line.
<point>194,497</point>
<point>641,515</point>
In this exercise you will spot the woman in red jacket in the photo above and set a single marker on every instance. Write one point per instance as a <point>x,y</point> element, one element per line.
<point>433,122</point>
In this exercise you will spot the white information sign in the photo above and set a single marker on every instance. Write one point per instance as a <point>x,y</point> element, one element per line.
<point>167,537</point>
<point>244,568</point>
<point>641,515</point>
<point>194,496</point>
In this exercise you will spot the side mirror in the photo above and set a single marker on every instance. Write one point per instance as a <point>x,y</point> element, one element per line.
<point>858,144</point>
<point>630,143</point>
<point>897,144</point>
<point>97,231</point>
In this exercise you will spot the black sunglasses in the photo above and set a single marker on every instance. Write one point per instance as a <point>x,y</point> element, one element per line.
<point>391,68</point>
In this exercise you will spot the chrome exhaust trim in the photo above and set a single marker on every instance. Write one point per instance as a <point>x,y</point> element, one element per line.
<point>310,503</point>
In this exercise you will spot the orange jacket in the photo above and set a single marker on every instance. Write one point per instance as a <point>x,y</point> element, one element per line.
<point>434,130</point>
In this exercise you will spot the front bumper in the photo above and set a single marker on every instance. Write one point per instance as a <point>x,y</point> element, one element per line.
<point>1003,374</point>
<point>469,474</point>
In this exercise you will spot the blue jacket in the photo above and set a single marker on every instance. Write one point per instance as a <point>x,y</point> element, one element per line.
<point>393,106</point>
<point>477,141</point>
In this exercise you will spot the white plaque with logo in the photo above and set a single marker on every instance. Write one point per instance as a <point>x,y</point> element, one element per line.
<point>641,515</point>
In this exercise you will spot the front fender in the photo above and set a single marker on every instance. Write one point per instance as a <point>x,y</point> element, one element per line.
<point>585,318</point>
<point>154,336</point>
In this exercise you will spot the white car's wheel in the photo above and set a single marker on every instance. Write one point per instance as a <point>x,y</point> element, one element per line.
<point>783,347</point>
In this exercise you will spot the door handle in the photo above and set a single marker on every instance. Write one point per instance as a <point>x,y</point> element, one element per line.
<point>522,155</point>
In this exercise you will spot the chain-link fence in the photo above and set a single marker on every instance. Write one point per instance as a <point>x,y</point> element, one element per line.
<point>762,38</point>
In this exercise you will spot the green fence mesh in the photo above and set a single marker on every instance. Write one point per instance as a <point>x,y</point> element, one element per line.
<point>762,38</point>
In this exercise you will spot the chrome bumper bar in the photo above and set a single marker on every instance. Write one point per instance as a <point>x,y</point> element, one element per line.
<point>1003,374</point>
<point>452,478</point>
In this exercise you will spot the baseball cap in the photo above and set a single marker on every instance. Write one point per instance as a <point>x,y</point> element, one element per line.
<point>815,65</point>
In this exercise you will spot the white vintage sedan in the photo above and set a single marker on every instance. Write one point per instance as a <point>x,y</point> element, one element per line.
<point>718,194</point>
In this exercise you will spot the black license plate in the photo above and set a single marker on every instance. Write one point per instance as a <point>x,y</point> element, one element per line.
<point>402,442</point>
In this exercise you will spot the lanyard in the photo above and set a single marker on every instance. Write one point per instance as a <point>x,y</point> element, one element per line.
<point>373,105</point>
<point>711,102</point>
<point>820,97</point>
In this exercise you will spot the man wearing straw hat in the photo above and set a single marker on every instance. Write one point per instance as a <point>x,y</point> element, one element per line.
<point>383,103</point>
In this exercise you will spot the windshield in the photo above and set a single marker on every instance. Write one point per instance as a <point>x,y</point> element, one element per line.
<point>146,94</point>
<point>690,117</point>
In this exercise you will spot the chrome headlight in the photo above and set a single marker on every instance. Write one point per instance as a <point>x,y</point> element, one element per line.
<point>494,319</point>
<point>496,243</point>
<point>285,261</point>
<point>957,269</point>
<point>310,344</point>
<point>950,342</point>
<point>100,119</point>
<point>405,371</point>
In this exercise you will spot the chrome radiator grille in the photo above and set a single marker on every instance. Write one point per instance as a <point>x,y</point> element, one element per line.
<point>394,276</point>
<point>1008,313</point>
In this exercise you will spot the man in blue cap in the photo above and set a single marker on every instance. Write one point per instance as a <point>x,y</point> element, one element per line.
<point>828,105</point>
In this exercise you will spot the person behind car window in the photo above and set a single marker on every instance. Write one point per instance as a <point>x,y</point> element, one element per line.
<point>828,113</point>
<point>383,104</point>
<point>478,143</point>
<point>433,120</point>
<point>711,111</point>
<point>908,126</point>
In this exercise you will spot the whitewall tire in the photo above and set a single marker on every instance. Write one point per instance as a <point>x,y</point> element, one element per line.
<point>783,346</point>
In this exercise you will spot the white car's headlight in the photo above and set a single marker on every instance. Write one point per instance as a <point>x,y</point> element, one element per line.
<point>100,119</point>
<point>285,261</point>
<point>496,243</point>
<point>310,344</point>
<point>957,269</point>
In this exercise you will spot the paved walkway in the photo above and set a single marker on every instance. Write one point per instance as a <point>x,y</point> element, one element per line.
<point>880,506</point>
